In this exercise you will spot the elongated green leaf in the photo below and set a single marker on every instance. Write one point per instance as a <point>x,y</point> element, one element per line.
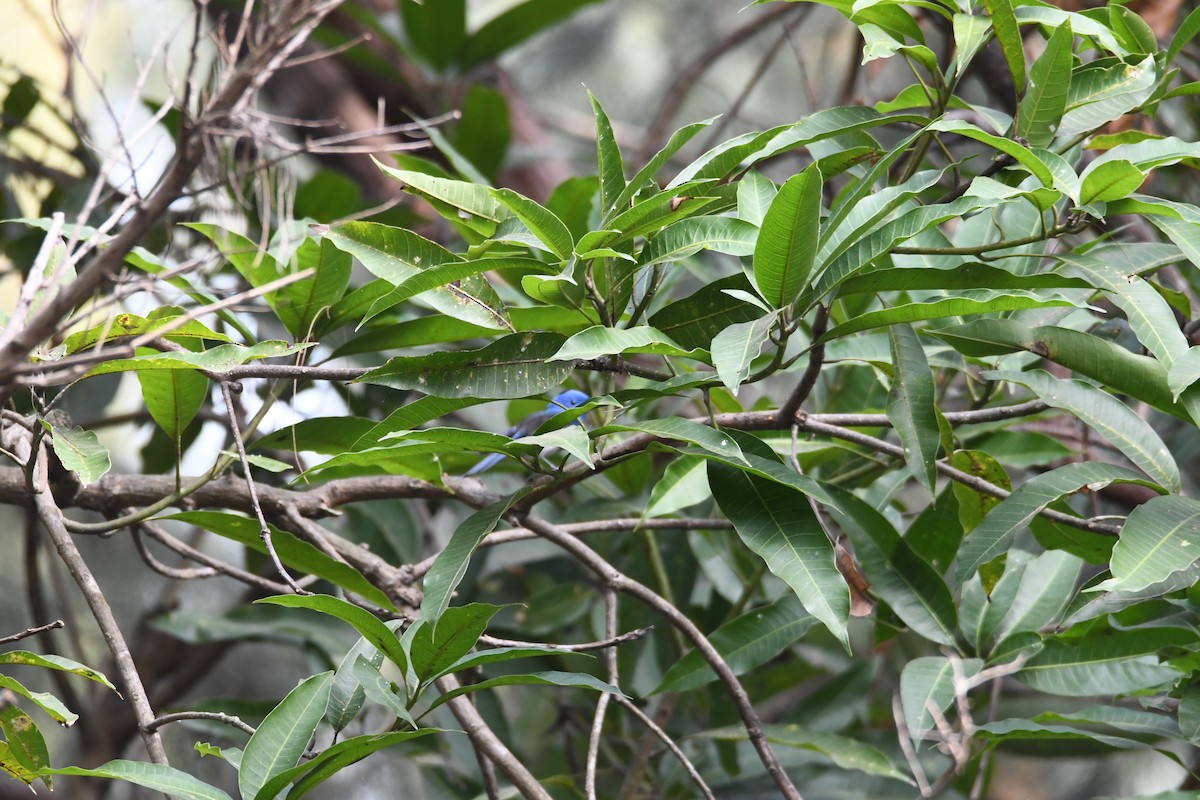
<point>370,627</point>
<point>451,564</point>
<point>59,663</point>
<point>995,534</point>
<point>25,742</point>
<point>780,525</point>
<point>1101,94</point>
<point>611,168</point>
<point>1004,22</point>
<point>962,276</point>
<point>717,442</point>
<point>754,195</point>
<point>736,347</point>
<point>1092,356</point>
<point>697,319</point>
<point>548,228</point>
<point>1021,154</point>
<point>843,751</point>
<point>1105,662</point>
<point>644,175</point>
<point>307,775</point>
<point>910,406</point>
<point>346,695</point>
<point>221,358</point>
<point>1160,538</point>
<point>598,341</point>
<point>283,736</point>
<point>929,682</point>
<point>458,630</point>
<point>292,551</point>
<point>497,654</point>
<point>1184,371</point>
<point>787,243</point>
<point>1045,99</point>
<point>513,366</point>
<point>690,236</point>
<point>158,777</point>
<point>459,201</point>
<point>745,642</point>
<point>397,255</point>
<point>684,483</point>
<point>940,309</point>
<point>1047,586</point>
<point>513,26</point>
<point>1109,417</point>
<point>81,452</point>
<point>173,397</point>
<point>912,588</point>
<point>312,298</point>
<point>125,325</point>
<point>379,689</point>
<point>43,700</point>
<point>1110,181</point>
<point>578,680</point>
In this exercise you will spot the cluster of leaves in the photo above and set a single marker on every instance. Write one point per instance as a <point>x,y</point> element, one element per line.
<point>864,351</point>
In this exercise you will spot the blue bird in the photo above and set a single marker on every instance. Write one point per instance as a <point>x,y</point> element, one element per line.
<point>572,398</point>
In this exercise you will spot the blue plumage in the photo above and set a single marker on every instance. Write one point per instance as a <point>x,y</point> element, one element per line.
<point>571,398</point>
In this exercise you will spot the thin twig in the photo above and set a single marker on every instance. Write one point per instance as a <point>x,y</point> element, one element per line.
<point>264,530</point>
<point>16,637</point>
<point>653,727</point>
<point>216,716</point>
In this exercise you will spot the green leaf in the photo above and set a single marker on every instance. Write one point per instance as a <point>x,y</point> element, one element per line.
<point>787,243</point>
<point>961,276</point>
<point>512,366</point>
<point>929,682</point>
<point>599,340</point>
<point>80,451</point>
<point>458,629</point>
<point>611,169</point>
<point>173,397</point>
<point>309,774</point>
<point>60,663</point>
<point>43,700</point>
<point>736,347</point>
<point>461,202</point>
<point>697,319</point>
<point>283,736</point>
<point>1132,31</point>
<point>513,26</point>
<point>1109,417</point>
<point>436,31</point>
<point>689,236</point>
<point>1184,372</point>
<point>995,534</point>
<point>910,406</point>
<point>912,588</point>
<point>1092,356</point>
<point>314,297</point>
<point>221,358</point>
<point>450,565</point>
<point>1110,180</point>
<point>25,741</point>
<point>369,626</point>
<point>292,551</point>
<point>346,695</point>
<point>843,751</point>
<point>1047,586</point>
<point>1159,540</point>
<point>1100,94</point>
<point>123,325</point>
<point>379,689</point>
<point>1022,155</point>
<point>578,680</point>
<point>397,255</point>
<point>1045,99</point>
<point>745,642</point>
<point>1105,662</point>
<point>157,777</point>
<point>548,228</point>
<point>684,483</point>
<point>940,309</point>
<point>779,524</point>
<point>1186,32</point>
<point>754,195</point>
<point>646,174</point>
